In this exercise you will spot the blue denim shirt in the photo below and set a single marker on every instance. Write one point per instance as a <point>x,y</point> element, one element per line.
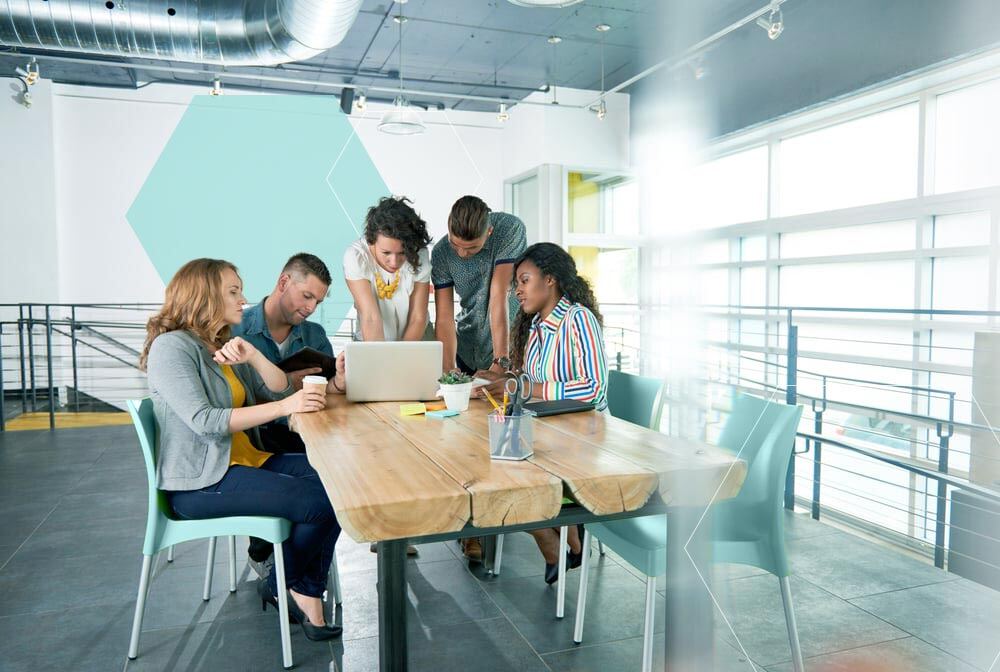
<point>254,329</point>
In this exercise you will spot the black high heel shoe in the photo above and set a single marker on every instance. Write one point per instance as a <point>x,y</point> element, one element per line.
<point>314,633</point>
<point>266,596</point>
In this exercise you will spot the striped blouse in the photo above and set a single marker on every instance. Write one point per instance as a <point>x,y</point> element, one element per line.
<point>565,353</point>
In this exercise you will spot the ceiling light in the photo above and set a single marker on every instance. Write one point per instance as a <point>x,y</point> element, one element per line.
<point>554,4</point>
<point>216,87</point>
<point>29,73</point>
<point>773,24</point>
<point>401,119</point>
<point>360,102</point>
<point>554,39</point>
<point>503,115</point>
<point>601,110</point>
<point>399,18</point>
<point>602,27</point>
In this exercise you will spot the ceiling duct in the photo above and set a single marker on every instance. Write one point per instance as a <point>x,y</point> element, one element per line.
<point>221,32</point>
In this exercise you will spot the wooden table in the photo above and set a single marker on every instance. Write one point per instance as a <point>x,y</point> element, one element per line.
<point>392,479</point>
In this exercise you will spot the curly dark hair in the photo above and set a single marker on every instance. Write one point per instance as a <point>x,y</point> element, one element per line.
<point>395,218</point>
<point>556,262</point>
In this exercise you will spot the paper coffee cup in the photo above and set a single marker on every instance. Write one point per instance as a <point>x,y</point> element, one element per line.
<point>314,382</point>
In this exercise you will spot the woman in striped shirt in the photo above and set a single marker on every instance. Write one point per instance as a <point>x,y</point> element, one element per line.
<point>557,339</point>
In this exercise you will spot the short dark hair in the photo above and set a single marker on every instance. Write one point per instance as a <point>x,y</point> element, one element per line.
<point>395,218</point>
<point>469,218</point>
<point>305,264</point>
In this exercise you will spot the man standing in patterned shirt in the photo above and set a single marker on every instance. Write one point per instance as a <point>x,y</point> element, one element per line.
<point>475,261</point>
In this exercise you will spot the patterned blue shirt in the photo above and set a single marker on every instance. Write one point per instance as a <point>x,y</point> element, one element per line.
<point>471,278</point>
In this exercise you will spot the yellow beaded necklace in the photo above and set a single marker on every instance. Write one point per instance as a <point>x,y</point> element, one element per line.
<point>383,290</point>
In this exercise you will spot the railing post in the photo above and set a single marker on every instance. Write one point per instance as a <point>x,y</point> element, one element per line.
<point>20,350</point>
<point>72,334</point>
<point>791,396</point>
<point>3,391</point>
<point>48,366</point>
<point>818,410</point>
<point>31,359</point>
<point>618,360</point>
<point>940,522</point>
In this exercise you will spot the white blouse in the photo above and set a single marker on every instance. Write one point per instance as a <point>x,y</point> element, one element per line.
<point>359,264</point>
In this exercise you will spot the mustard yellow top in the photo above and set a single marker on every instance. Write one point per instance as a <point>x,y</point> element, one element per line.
<point>241,451</point>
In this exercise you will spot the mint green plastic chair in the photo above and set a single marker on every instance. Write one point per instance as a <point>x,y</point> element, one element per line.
<point>636,399</point>
<point>164,531</point>
<point>747,529</point>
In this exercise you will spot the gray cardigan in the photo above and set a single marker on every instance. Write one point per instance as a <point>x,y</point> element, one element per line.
<point>192,403</point>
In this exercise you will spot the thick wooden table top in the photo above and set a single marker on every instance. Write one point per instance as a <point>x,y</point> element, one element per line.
<point>392,477</point>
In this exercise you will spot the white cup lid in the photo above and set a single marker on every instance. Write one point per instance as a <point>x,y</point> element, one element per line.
<point>315,380</point>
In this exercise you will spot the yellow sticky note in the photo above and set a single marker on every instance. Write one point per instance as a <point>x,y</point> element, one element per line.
<point>412,409</point>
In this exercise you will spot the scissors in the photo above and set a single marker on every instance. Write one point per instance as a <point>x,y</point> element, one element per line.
<point>519,389</point>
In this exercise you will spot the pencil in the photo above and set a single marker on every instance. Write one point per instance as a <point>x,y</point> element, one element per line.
<point>491,399</point>
<point>505,402</point>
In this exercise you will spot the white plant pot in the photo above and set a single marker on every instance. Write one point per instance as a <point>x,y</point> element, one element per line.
<point>456,397</point>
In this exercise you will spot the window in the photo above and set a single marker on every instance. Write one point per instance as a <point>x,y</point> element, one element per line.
<point>970,228</point>
<point>857,285</point>
<point>968,138</point>
<point>621,209</point>
<point>728,190</point>
<point>868,160</point>
<point>866,238</point>
<point>613,274</point>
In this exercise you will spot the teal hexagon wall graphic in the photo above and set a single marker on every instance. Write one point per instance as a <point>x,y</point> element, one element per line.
<point>255,179</point>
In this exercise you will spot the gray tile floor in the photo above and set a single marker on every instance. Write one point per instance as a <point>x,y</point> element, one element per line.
<point>73,506</point>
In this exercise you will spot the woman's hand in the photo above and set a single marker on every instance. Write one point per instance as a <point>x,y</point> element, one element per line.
<point>304,401</point>
<point>495,387</point>
<point>235,351</point>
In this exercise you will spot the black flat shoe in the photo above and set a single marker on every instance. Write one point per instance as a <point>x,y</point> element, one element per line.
<point>314,633</point>
<point>551,573</point>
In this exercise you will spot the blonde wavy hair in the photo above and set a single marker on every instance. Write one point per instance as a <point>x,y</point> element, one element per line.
<point>193,302</point>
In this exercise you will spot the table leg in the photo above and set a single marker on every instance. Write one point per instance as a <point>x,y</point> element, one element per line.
<point>689,614</point>
<point>392,654</point>
<point>489,544</point>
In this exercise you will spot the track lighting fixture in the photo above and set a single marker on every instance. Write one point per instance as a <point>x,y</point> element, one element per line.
<point>601,109</point>
<point>360,101</point>
<point>502,114</point>
<point>773,24</point>
<point>29,73</point>
<point>216,87</point>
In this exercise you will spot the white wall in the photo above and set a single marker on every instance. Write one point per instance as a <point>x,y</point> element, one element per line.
<point>29,269</point>
<point>90,149</point>
<point>566,136</point>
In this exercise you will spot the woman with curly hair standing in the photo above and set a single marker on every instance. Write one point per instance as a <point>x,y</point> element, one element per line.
<point>557,339</point>
<point>388,271</point>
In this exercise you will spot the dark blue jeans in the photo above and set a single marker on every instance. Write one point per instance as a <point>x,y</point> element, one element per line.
<point>287,487</point>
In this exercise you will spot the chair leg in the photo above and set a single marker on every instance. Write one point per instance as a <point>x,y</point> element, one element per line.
<point>334,580</point>
<point>581,598</point>
<point>647,629</point>
<point>140,606</point>
<point>498,556</point>
<point>600,547</point>
<point>793,629</point>
<point>561,588</point>
<point>170,554</point>
<point>232,564</point>
<point>286,636</point>
<point>207,593</point>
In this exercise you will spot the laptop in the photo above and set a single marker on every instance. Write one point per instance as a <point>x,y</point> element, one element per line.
<point>393,370</point>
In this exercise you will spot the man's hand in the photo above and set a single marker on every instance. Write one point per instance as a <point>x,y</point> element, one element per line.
<point>297,376</point>
<point>338,384</point>
<point>497,381</point>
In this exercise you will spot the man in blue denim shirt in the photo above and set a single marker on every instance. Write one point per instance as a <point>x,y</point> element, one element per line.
<point>278,327</point>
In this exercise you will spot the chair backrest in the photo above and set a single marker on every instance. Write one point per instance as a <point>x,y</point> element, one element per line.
<point>763,434</point>
<point>637,399</point>
<point>158,513</point>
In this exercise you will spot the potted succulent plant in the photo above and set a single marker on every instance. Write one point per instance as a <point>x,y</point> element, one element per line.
<point>456,388</point>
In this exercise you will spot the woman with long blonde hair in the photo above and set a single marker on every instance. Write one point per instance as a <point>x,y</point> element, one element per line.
<point>210,392</point>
